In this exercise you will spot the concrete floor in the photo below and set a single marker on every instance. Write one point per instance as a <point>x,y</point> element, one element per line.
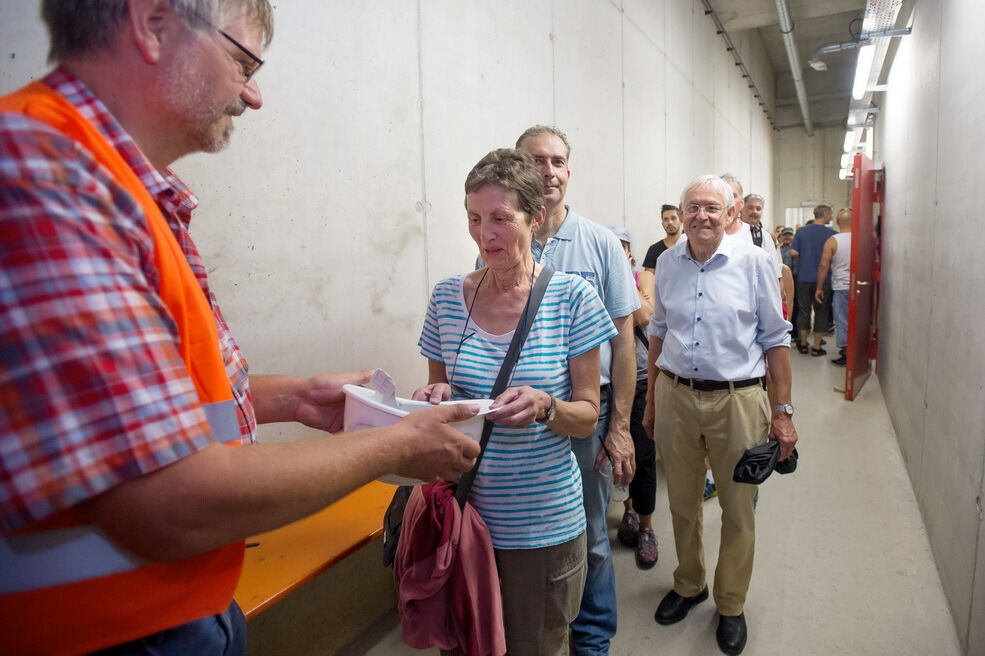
<point>843,565</point>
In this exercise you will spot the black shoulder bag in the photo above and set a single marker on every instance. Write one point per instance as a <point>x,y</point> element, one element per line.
<point>393,519</point>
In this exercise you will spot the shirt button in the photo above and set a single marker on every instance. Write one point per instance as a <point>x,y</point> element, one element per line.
<point>697,343</point>
<point>702,271</point>
<point>698,319</point>
<point>701,293</point>
<point>695,368</point>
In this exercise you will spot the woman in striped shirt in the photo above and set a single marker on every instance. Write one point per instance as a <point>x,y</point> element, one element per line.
<point>528,488</point>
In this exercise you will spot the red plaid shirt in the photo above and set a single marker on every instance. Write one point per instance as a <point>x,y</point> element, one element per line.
<point>92,389</point>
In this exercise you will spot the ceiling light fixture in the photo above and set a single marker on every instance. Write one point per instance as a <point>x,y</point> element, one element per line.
<point>849,141</point>
<point>862,70</point>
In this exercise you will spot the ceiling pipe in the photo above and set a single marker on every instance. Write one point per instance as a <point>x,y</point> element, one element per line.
<point>866,39</point>
<point>786,31</point>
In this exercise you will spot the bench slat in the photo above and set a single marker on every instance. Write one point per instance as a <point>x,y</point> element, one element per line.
<point>292,555</point>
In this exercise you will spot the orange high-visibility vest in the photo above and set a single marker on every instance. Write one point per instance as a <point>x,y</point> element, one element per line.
<point>65,587</point>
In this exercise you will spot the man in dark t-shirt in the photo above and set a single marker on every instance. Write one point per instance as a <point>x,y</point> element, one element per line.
<point>670,217</point>
<point>807,245</point>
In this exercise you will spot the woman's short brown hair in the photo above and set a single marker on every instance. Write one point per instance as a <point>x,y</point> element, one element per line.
<point>511,169</point>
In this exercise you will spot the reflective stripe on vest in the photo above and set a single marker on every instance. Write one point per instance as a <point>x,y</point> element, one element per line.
<point>223,421</point>
<point>40,560</point>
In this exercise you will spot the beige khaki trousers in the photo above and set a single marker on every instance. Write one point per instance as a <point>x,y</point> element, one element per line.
<point>722,424</point>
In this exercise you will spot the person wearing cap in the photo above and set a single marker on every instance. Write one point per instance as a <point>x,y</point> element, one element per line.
<point>715,329</point>
<point>636,527</point>
<point>788,283</point>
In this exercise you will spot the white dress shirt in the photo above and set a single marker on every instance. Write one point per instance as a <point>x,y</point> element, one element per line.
<point>717,318</point>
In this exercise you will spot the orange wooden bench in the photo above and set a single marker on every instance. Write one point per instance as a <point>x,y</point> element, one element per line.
<point>287,558</point>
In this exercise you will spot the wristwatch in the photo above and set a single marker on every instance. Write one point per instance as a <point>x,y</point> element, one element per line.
<point>551,411</point>
<point>785,408</point>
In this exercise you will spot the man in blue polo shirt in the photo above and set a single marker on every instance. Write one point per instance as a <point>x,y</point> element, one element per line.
<point>574,244</point>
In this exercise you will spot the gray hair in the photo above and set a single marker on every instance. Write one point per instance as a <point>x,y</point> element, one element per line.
<point>718,185</point>
<point>82,27</point>
<point>511,169</point>
<point>730,178</point>
<point>821,210</point>
<point>545,129</point>
<point>755,197</point>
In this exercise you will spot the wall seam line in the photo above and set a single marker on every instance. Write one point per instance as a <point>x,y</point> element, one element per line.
<point>553,68</point>
<point>937,172</point>
<point>423,162</point>
<point>622,66</point>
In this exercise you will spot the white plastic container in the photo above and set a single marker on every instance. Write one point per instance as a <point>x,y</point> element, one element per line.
<point>364,408</point>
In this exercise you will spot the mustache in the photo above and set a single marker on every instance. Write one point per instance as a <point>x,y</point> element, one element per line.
<point>237,107</point>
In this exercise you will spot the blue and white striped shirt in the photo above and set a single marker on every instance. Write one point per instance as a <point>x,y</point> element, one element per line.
<point>528,489</point>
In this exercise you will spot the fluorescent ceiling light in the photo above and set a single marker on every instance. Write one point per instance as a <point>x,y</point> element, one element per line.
<point>862,70</point>
<point>846,161</point>
<point>844,174</point>
<point>849,141</point>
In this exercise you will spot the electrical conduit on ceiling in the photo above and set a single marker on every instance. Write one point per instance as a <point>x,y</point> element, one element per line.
<point>786,31</point>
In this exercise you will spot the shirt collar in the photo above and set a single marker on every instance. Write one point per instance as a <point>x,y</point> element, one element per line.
<point>567,229</point>
<point>166,187</point>
<point>724,248</point>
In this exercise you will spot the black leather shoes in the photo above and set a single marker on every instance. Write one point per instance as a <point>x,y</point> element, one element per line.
<point>673,607</point>
<point>731,634</point>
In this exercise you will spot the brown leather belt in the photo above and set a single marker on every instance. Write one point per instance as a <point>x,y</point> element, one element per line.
<point>715,385</point>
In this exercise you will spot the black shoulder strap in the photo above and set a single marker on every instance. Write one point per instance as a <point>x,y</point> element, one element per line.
<point>505,373</point>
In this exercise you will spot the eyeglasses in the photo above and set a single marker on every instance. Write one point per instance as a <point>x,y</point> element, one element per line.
<point>248,70</point>
<point>710,210</point>
<point>457,390</point>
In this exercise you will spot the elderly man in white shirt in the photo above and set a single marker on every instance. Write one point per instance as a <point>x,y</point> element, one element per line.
<point>716,323</point>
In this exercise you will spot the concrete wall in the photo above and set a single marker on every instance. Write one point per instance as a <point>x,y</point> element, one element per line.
<point>807,169</point>
<point>931,359</point>
<point>339,205</point>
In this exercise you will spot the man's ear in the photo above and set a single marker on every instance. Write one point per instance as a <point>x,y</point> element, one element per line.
<point>537,219</point>
<point>148,20</point>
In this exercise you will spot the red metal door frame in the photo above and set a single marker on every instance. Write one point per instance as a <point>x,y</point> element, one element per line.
<point>861,315</point>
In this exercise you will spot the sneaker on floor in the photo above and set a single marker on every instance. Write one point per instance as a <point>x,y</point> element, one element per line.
<point>711,490</point>
<point>803,348</point>
<point>646,549</point>
<point>629,529</point>
<point>818,352</point>
<point>840,362</point>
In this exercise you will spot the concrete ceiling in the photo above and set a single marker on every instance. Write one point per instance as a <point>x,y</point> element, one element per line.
<point>816,23</point>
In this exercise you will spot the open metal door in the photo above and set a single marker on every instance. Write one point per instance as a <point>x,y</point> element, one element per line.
<point>861,315</point>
